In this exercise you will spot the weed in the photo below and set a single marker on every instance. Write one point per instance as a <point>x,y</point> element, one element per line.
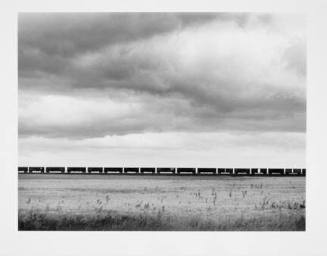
<point>138,205</point>
<point>146,206</point>
<point>107,198</point>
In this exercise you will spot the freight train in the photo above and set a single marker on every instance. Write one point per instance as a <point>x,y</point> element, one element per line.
<point>203,171</point>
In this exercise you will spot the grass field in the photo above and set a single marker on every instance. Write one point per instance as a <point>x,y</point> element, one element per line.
<point>94,202</point>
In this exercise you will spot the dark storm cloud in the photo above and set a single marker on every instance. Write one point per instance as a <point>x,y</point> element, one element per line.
<point>46,41</point>
<point>68,34</point>
<point>187,72</point>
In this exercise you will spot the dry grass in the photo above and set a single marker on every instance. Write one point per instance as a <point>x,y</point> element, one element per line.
<point>156,203</point>
<point>36,220</point>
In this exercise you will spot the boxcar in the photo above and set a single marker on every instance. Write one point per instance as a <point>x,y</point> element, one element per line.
<point>147,170</point>
<point>241,171</point>
<point>297,172</point>
<point>132,170</point>
<point>55,169</point>
<point>113,170</point>
<point>303,172</point>
<point>166,170</point>
<point>207,171</point>
<point>22,169</point>
<point>76,170</point>
<point>36,169</point>
<point>186,170</point>
<point>95,170</point>
<point>289,171</point>
<point>225,171</point>
<point>276,171</point>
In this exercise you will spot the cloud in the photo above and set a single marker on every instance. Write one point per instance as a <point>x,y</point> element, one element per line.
<point>90,117</point>
<point>92,75</point>
<point>57,37</point>
<point>295,57</point>
<point>68,34</point>
<point>220,149</point>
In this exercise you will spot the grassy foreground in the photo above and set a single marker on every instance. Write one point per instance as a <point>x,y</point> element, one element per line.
<point>49,202</point>
<point>110,221</point>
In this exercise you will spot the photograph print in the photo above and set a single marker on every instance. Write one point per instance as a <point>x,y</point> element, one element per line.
<point>161,121</point>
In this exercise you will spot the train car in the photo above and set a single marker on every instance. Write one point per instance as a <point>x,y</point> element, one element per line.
<point>225,171</point>
<point>95,170</point>
<point>242,171</point>
<point>131,170</point>
<point>297,172</point>
<point>303,172</point>
<point>206,171</point>
<point>148,170</point>
<point>186,170</point>
<point>22,169</point>
<point>55,170</point>
<point>166,170</point>
<point>289,171</point>
<point>76,170</point>
<point>276,171</point>
<point>113,170</point>
<point>36,169</point>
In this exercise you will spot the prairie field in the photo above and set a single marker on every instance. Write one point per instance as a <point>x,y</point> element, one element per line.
<point>114,202</point>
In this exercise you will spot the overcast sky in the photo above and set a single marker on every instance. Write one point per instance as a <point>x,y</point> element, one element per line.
<point>157,89</point>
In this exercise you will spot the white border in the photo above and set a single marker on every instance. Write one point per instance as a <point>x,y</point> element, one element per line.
<point>312,242</point>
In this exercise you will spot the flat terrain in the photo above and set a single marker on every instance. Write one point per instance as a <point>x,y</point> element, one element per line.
<point>114,202</point>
